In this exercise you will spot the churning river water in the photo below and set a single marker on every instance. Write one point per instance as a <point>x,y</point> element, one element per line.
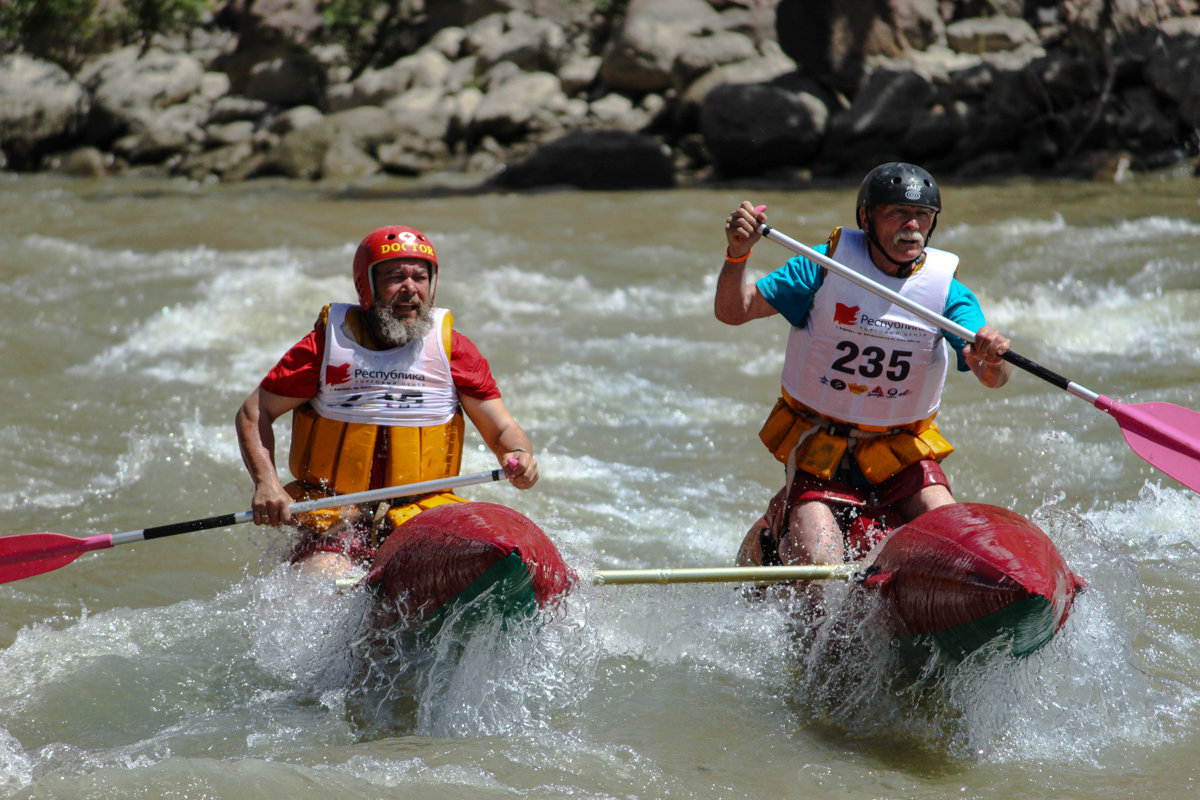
<point>139,313</point>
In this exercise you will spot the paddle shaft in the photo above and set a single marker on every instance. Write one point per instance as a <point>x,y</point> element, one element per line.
<point>759,575</point>
<point>29,554</point>
<point>919,310</point>
<point>336,501</point>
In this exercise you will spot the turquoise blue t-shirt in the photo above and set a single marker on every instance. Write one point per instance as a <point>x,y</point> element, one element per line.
<point>790,291</point>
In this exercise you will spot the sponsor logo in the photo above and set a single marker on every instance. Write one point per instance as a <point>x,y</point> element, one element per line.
<point>876,392</point>
<point>407,245</point>
<point>913,191</point>
<point>337,373</point>
<point>389,376</point>
<point>891,325</point>
<point>844,314</point>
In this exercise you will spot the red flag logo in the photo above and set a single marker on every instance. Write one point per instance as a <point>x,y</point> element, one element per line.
<point>845,315</point>
<point>337,373</point>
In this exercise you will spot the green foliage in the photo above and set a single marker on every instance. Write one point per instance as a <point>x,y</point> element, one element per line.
<point>612,9</point>
<point>372,32</point>
<point>67,32</point>
<point>63,31</point>
<point>146,18</point>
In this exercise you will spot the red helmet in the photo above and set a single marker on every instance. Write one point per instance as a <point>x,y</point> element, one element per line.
<point>394,241</point>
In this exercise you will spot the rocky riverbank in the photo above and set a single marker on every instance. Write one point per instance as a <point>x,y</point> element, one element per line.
<point>523,93</point>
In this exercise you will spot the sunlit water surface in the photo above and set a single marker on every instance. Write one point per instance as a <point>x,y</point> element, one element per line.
<point>141,313</point>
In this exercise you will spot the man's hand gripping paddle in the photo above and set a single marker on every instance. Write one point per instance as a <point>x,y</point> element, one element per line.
<point>1165,435</point>
<point>31,554</point>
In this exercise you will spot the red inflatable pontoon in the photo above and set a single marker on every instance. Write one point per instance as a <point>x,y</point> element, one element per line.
<point>452,554</point>
<point>968,573</point>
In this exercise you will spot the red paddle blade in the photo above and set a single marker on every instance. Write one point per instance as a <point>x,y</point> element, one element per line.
<point>1166,435</point>
<point>34,553</point>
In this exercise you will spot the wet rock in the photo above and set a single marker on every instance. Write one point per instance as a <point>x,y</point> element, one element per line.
<point>156,136</point>
<point>427,68</point>
<point>295,119</point>
<point>753,129</point>
<point>232,108</point>
<point>232,161</point>
<point>284,80</point>
<point>832,39</point>
<point>989,34</point>
<point>889,104</point>
<point>40,106</point>
<point>82,162</point>
<point>772,65</point>
<point>1172,69</point>
<point>326,146</point>
<point>130,88</point>
<point>506,112</point>
<point>600,159</point>
<point>642,52</point>
<point>529,43</point>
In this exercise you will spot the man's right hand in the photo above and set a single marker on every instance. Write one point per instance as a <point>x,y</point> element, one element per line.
<point>741,228</point>
<point>271,505</point>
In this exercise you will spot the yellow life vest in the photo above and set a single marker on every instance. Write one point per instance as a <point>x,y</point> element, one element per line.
<point>821,442</point>
<point>338,456</point>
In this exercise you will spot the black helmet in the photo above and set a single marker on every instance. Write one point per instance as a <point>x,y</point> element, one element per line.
<point>898,183</point>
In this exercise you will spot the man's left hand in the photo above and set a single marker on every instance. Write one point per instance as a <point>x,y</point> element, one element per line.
<point>520,468</point>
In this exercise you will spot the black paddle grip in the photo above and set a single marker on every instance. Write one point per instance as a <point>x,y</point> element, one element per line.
<point>189,526</point>
<point>1024,363</point>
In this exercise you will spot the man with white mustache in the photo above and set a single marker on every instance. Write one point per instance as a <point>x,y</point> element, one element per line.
<point>862,378</point>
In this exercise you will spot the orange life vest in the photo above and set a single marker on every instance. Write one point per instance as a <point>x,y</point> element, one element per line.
<point>339,455</point>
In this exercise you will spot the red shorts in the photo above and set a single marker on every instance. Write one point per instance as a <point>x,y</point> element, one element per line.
<point>866,515</point>
<point>354,541</point>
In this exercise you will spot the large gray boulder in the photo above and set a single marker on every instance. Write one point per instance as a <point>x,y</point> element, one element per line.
<point>507,111</point>
<point>888,105</point>
<point>339,145</point>
<point>40,107</point>
<point>129,87</point>
<point>642,52</point>
<point>751,129</point>
<point>989,34</point>
<point>530,43</point>
<point>1172,69</point>
<point>832,39</point>
<point>155,136</point>
<point>600,159</point>
<point>427,68</point>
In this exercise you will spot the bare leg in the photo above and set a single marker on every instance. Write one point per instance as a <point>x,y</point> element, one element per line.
<point>750,553</point>
<point>927,499</point>
<point>327,565</point>
<point>813,537</point>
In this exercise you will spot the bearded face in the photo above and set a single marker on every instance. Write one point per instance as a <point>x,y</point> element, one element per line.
<point>396,331</point>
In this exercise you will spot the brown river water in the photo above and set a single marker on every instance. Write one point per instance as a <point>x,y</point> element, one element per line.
<point>140,313</point>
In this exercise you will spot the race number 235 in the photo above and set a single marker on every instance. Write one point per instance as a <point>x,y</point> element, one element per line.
<point>872,362</point>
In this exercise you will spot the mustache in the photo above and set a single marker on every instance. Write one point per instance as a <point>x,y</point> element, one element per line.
<point>396,332</point>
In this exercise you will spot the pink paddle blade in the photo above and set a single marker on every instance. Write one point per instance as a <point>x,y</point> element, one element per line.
<point>34,553</point>
<point>1166,435</point>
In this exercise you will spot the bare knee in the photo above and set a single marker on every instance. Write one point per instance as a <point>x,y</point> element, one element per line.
<point>927,499</point>
<point>326,565</point>
<point>813,536</point>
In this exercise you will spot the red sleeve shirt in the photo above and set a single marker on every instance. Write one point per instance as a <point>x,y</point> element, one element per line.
<point>298,373</point>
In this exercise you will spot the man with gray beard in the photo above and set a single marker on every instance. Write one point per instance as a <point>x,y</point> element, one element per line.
<point>377,393</point>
